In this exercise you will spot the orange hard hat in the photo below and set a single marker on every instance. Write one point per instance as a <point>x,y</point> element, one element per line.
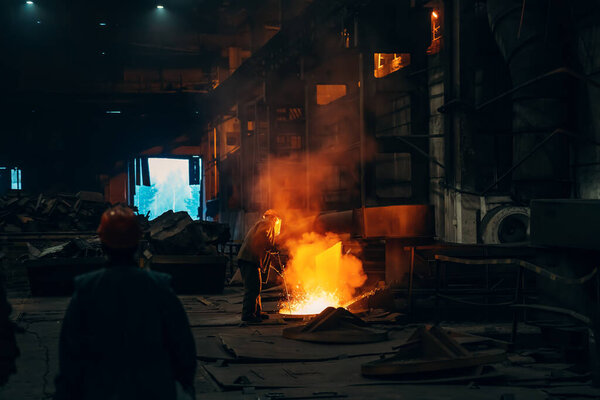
<point>119,228</point>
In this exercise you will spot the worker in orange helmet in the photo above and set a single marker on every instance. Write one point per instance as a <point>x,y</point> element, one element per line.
<point>253,261</point>
<point>125,334</point>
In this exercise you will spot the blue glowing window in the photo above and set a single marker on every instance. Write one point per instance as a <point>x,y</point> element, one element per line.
<point>15,179</point>
<point>170,188</point>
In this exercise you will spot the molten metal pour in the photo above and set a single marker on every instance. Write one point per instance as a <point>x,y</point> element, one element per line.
<point>321,276</point>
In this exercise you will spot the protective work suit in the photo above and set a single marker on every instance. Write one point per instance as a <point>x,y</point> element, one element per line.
<point>253,261</point>
<point>125,334</point>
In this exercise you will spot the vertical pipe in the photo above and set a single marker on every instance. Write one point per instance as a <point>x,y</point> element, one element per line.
<point>268,133</point>
<point>446,55</point>
<point>243,134</point>
<point>410,279</point>
<point>437,291</point>
<point>456,118</point>
<point>215,160</point>
<point>255,156</point>
<point>361,84</point>
<point>307,102</point>
<point>202,191</point>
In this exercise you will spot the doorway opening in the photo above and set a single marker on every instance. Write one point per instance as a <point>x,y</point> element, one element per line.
<point>172,184</point>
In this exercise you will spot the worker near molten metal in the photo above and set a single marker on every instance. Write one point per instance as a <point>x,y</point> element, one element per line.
<point>254,260</point>
<point>125,334</point>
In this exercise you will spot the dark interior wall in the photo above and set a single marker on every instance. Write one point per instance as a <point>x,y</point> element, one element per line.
<point>542,44</point>
<point>586,163</point>
<point>556,45</point>
<point>487,138</point>
<point>65,144</point>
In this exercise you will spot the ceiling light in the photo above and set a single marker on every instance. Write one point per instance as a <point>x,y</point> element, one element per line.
<point>29,2</point>
<point>102,24</point>
<point>160,7</point>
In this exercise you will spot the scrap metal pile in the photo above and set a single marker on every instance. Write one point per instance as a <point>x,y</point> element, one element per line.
<point>172,233</point>
<point>169,234</point>
<point>74,248</point>
<point>175,233</point>
<point>50,213</point>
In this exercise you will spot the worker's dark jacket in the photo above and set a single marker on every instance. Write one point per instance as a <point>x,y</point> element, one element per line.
<point>125,336</point>
<point>259,241</point>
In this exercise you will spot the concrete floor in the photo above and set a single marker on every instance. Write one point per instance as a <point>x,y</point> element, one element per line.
<point>216,315</point>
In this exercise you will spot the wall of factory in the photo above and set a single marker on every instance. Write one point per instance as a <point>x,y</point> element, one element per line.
<point>437,151</point>
<point>312,127</point>
<point>431,135</point>
<point>469,148</point>
<point>499,147</point>
<point>587,157</point>
<point>54,146</point>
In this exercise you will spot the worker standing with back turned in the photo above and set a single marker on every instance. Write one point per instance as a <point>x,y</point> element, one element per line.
<point>253,261</point>
<point>125,335</point>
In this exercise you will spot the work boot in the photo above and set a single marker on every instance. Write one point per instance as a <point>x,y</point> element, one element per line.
<point>264,315</point>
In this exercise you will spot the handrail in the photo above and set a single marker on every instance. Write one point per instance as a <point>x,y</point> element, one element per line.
<point>524,264</point>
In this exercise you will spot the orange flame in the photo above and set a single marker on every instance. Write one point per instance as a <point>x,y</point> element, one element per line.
<point>298,184</point>
<point>318,275</point>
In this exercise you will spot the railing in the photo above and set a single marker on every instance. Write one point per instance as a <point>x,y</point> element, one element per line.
<point>517,302</point>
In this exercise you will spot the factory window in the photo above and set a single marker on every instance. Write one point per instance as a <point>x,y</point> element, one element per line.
<point>386,63</point>
<point>174,185</point>
<point>328,93</point>
<point>289,114</point>
<point>436,33</point>
<point>393,175</point>
<point>10,178</point>
<point>15,179</point>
